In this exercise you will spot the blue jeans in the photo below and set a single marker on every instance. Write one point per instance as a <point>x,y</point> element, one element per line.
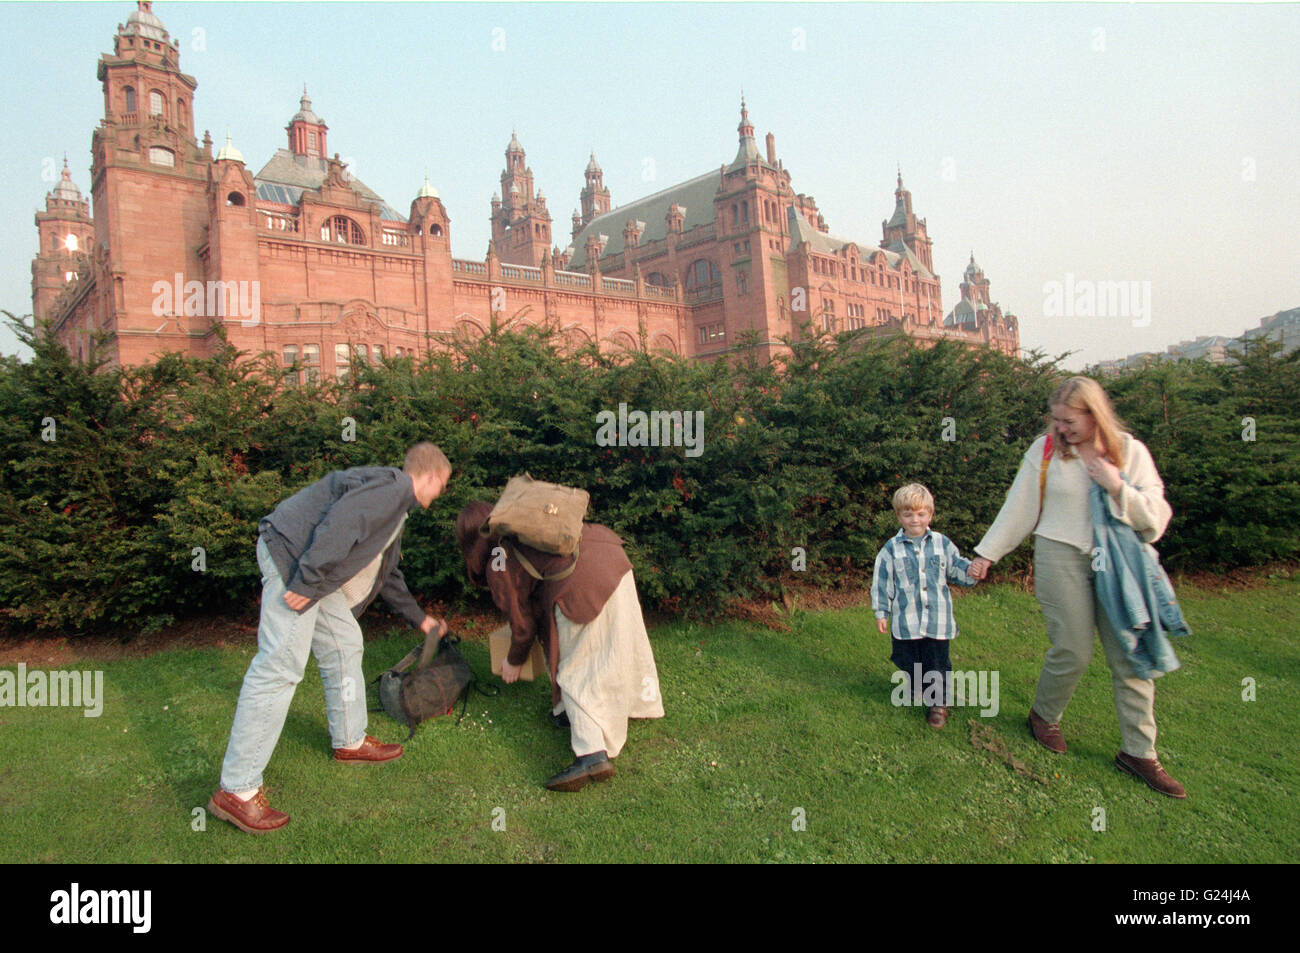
<point>283,639</point>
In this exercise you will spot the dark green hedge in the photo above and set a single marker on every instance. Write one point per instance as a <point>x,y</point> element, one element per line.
<point>100,525</point>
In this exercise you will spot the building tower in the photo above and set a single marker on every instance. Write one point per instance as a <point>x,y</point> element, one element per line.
<point>906,228</point>
<point>150,182</point>
<point>595,197</point>
<point>750,223</point>
<point>974,286</point>
<point>66,237</point>
<point>307,130</point>
<point>521,225</point>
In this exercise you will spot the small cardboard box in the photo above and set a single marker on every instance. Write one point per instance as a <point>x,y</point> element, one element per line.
<point>499,645</point>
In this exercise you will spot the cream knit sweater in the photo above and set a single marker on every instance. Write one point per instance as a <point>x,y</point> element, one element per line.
<point>1065,517</point>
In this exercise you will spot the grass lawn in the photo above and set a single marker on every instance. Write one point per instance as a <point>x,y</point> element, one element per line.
<point>762,729</point>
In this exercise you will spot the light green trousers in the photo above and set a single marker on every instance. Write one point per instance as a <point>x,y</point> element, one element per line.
<point>1063,585</point>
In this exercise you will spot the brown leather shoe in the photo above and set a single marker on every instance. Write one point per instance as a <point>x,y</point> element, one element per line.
<point>253,816</point>
<point>1046,734</point>
<point>1150,771</point>
<point>372,749</point>
<point>937,718</point>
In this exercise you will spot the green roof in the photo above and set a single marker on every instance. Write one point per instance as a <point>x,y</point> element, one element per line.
<point>695,196</point>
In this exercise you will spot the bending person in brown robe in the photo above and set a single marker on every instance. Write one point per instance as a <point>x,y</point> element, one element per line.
<point>590,626</point>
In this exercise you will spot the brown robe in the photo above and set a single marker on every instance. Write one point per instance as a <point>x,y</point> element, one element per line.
<point>529,604</point>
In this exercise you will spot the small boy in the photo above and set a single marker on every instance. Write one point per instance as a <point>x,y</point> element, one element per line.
<point>909,588</point>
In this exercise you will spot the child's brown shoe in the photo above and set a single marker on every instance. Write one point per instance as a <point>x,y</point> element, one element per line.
<point>937,718</point>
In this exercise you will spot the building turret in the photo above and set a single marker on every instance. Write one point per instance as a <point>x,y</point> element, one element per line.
<point>307,130</point>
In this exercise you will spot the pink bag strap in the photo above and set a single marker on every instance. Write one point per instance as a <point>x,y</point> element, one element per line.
<point>1042,474</point>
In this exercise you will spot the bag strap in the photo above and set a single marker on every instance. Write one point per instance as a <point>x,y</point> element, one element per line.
<point>1042,475</point>
<point>464,697</point>
<point>532,570</point>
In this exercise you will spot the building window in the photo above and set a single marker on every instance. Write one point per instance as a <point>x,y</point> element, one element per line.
<point>235,198</point>
<point>130,99</point>
<point>363,353</point>
<point>70,242</point>
<point>155,103</point>
<point>379,353</point>
<point>311,142</point>
<point>160,156</point>
<point>744,211</point>
<point>828,314</point>
<point>712,333</point>
<point>311,358</point>
<point>342,229</point>
<point>397,352</point>
<point>702,273</point>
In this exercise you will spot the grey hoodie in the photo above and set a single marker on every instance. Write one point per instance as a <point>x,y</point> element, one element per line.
<point>327,532</point>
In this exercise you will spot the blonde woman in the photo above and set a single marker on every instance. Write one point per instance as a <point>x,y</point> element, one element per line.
<point>1090,445</point>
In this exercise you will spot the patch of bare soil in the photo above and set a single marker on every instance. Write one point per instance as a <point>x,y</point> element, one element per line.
<point>984,738</point>
<point>55,651</point>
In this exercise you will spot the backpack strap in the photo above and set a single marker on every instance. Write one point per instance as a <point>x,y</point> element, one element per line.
<point>532,570</point>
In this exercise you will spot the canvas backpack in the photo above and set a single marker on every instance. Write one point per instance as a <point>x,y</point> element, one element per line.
<point>545,516</point>
<point>427,682</point>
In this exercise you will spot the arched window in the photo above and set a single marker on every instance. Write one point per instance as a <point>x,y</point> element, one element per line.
<point>702,273</point>
<point>155,103</point>
<point>180,110</point>
<point>130,99</point>
<point>342,229</point>
<point>658,279</point>
<point>435,231</point>
<point>744,211</point>
<point>235,198</point>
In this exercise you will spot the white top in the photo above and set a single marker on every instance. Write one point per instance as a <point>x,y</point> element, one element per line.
<point>358,587</point>
<point>1066,516</point>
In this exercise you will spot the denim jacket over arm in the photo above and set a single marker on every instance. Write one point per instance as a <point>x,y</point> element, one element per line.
<point>1134,591</point>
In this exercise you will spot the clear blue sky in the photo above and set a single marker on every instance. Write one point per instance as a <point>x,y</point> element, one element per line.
<point>1110,142</point>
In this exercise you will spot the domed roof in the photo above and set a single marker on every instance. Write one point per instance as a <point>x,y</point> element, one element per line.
<point>514,144</point>
<point>972,270</point>
<point>427,190</point>
<point>304,113</point>
<point>143,23</point>
<point>593,165</point>
<point>229,152</point>
<point>66,189</point>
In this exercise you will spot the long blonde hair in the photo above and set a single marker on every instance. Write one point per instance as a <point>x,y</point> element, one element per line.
<point>1084,393</point>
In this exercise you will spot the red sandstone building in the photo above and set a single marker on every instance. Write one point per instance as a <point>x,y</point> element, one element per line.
<point>304,260</point>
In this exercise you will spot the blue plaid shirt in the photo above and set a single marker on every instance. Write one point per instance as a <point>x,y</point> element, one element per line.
<point>919,606</point>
